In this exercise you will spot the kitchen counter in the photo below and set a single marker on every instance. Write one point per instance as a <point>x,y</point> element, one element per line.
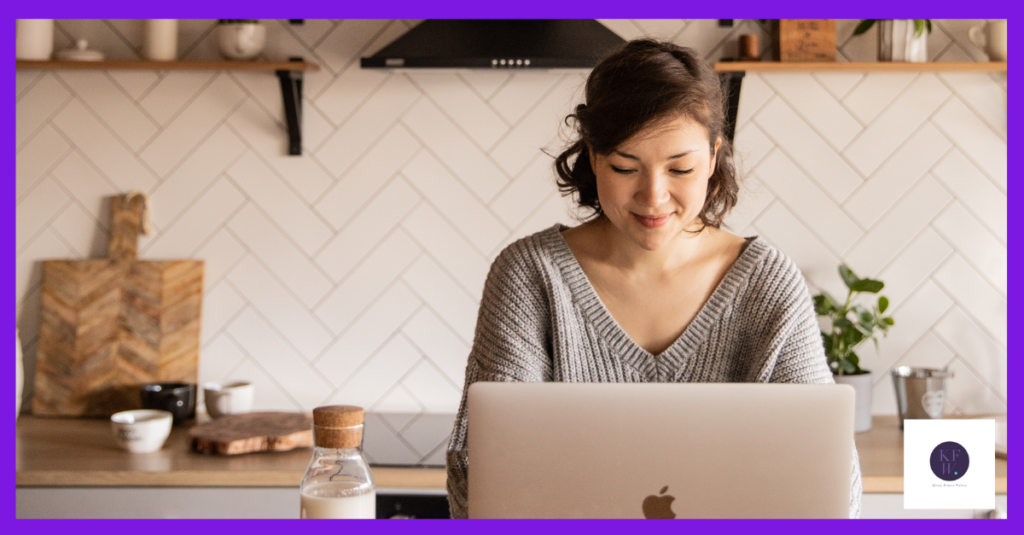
<point>71,452</point>
<point>64,452</point>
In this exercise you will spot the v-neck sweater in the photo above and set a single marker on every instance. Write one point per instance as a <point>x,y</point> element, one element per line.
<point>540,319</point>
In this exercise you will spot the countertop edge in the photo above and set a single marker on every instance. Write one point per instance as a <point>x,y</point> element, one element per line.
<point>385,477</point>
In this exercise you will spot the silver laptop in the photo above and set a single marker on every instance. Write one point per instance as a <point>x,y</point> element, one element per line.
<point>657,450</point>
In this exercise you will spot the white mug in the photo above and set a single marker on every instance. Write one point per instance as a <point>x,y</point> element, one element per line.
<point>990,36</point>
<point>223,399</point>
<point>241,40</point>
<point>35,39</point>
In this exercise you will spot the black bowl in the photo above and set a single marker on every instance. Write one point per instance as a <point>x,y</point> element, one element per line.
<point>177,398</point>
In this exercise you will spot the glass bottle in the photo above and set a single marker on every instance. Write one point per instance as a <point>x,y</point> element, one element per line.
<point>338,482</point>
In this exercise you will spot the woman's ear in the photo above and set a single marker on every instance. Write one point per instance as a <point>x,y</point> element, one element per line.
<point>593,158</point>
<point>714,157</point>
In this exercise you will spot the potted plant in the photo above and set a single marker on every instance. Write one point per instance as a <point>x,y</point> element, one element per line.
<point>852,323</point>
<point>240,38</point>
<point>901,39</point>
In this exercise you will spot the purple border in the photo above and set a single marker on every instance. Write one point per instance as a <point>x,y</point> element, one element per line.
<point>417,9</point>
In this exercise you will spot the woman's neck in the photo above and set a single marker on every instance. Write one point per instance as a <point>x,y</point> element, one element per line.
<point>614,247</point>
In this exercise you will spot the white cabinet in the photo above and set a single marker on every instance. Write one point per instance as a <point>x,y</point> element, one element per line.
<point>235,502</point>
<point>166,502</point>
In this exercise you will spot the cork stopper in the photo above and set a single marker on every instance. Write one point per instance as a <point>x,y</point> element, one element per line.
<point>338,426</point>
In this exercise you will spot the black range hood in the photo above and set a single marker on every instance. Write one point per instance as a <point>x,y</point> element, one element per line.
<point>498,44</point>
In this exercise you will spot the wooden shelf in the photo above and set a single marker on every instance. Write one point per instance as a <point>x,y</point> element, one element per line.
<point>751,66</point>
<point>125,64</point>
<point>289,73</point>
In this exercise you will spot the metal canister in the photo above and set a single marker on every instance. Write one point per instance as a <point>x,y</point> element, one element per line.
<point>920,392</point>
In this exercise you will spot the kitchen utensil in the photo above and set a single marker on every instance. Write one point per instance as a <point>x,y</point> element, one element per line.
<point>109,326</point>
<point>141,431</point>
<point>179,399</point>
<point>255,431</point>
<point>223,399</point>
<point>80,52</point>
<point>990,36</point>
<point>920,392</point>
<point>35,39</point>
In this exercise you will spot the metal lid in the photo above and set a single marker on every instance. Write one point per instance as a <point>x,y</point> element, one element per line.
<point>921,373</point>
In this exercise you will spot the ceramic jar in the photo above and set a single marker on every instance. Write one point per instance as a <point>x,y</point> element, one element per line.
<point>35,39</point>
<point>161,40</point>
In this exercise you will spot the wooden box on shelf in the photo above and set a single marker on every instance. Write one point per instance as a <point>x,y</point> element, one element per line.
<point>807,40</point>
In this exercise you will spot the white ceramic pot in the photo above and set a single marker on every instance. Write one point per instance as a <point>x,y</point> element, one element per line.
<point>897,42</point>
<point>241,40</point>
<point>141,431</point>
<point>990,36</point>
<point>35,39</point>
<point>223,399</point>
<point>161,40</point>
<point>861,384</point>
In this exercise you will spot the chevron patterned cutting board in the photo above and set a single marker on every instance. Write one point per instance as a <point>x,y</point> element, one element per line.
<point>109,326</point>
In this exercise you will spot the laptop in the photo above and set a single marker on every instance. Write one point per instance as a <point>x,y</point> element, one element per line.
<point>659,450</point>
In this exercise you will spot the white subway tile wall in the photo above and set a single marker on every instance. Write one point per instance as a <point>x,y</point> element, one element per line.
<point>352,274</point>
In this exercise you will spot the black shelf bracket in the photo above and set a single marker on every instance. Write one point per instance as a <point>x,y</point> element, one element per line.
<point>291,93</point>
<point>732,82</point>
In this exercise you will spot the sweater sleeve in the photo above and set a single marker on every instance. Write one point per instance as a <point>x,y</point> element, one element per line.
<point>512,343</point>
<point>802,360</point>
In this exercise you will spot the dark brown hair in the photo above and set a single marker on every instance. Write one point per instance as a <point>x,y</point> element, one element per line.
<point>643,85</point>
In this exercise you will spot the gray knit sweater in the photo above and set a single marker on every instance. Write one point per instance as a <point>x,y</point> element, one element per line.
<point>541,320</point>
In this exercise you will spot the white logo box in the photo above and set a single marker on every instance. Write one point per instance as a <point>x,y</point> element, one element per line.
<point>923,489</point>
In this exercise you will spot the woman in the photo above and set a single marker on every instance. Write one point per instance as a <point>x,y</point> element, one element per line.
<point>650,288</point>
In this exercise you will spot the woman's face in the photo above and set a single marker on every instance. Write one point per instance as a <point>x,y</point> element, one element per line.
<point>653,186</point>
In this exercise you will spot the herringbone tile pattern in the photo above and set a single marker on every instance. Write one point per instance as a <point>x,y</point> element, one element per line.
<point>352,274</point>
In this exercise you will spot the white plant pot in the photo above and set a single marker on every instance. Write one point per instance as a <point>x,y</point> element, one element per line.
<point>241,40</point>
<point>897,42</point>
<point>862,388</point>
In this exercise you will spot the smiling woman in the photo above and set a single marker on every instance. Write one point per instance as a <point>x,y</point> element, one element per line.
<point>648,288</point>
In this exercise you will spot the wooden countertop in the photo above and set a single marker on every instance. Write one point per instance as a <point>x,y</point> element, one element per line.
<point>881,457</point>
<point>65,452</point>
<point>72,452</point>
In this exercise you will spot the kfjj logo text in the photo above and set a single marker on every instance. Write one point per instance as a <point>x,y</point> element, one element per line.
<point>950,461</point>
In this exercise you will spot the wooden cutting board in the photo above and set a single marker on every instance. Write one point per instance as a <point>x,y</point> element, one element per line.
<point>111,325</point>
<point>252,432</point>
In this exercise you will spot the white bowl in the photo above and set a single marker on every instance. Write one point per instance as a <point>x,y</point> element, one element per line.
<point>141,431</point>
<point>223,399</point>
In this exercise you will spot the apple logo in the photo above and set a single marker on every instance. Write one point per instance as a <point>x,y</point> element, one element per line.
<point>659,506</point>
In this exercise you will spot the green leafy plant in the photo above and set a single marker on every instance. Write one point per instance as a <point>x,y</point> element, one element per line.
<point>920,25</point>
<point>852,323</point>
